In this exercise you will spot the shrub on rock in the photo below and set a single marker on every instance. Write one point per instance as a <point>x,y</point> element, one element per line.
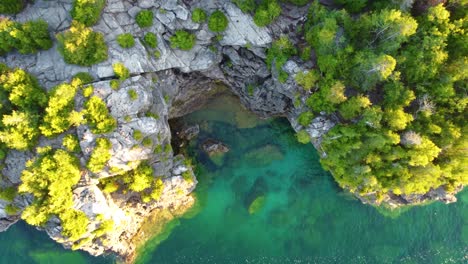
<point>182,40</point>
<point>145,18</point>
<point>82,46</point>
<point>126,40</point>
<point>87,12</point>
<point>218,21</point>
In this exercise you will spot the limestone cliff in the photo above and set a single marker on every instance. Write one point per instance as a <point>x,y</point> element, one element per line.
<point>169,86</point>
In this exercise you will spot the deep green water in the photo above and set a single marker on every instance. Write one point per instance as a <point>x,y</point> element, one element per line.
<point>301,217</point>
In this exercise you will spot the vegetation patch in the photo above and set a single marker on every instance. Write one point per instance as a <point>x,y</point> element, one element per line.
<point>82,46</point>
<point>126,40</point>
<point>27,38</point>
<point>218,21</point>
<point>87,12</point>
<point>183,40</point>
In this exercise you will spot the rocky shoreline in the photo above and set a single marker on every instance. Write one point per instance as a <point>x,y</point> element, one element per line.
<point>176,83</point>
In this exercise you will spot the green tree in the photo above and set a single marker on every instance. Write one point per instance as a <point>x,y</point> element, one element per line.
<point>145,18</point>
<point>121,71</point>
<point>82,46</point>
<point>11,6</point>
<point>198,15</point>
<point>98,117</point>
<point>87,12</point>
<point>100,156</point>
<point>60,109</point>
<point>218,21</point>
<point>267,12</point>
<point>50,179</point>
<point>182,40</point>
<point>151,40</point>
<point>27,38</point>
<point>126,40</point>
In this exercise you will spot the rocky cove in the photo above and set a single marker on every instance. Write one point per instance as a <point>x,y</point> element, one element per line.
<point>169,86</point>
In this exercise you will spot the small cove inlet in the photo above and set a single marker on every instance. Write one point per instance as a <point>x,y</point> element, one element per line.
<point>268,200</point>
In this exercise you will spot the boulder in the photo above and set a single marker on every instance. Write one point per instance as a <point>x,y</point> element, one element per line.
<point>212,147</point>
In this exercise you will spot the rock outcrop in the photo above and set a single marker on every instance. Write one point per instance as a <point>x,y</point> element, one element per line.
<point>169,85</point>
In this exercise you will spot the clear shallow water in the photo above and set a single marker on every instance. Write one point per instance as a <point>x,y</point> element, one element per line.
<point>299,214</point>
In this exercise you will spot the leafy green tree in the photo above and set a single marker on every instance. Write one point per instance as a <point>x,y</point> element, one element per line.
<point>81,45</point>
<point>397,119</point>
<point>198,15</point>
<point>218,21</point>
<point>126,40</point>
<point>385,30</point>
<point>121,71</point>
<point>50,179</point>
<point>372,69</point>
<point>279,53</point>
<point>182,40</point>
<point>307,79</point>
<point>11,6</point>
<point>98,117</point>
<point>71,143</point>
<point>352,6</point>
<point>303,137</point>
<point>267,12</point>
<point>100,156</point>
<point>246,6</point>
<point>60,109</point>
<point>305,118</point>
<point>151,40</point>
<point>87,12</point>
<point>27,38</point>
<point>354,106</point>
<point>145,18</point>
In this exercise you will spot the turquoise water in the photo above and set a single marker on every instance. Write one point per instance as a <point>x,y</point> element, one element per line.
<point>269,201</point>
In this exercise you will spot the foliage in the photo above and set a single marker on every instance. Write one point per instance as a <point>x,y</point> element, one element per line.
<point>218,21</point>
<point>182,40</point>
<point>71,143</point>
<point>303,137</point>
<point>398,85</point>
<point>281,50</point>
<point>50,179</point>
<point>144,18</point>
<point>84,77</point>
<point>132,94</point>
<point>27,38</point>
<point>87,12</point>
<point>151,40</point>
<point>198,15</point>
<point>104,228</point>
<point>267,12</point>
<point>98,117</point>
<point>246,6</point>
<point>305,118</point>
<point>8,193</point>
<point>121,71</point>
<point>59,114</point>
<point>140,178</point>
<point>307,79</point>
<point>22,102</point>
<point>126,40</point>
<point>137,135</point>
<point>11,6</point>
<point>81,45</point>
<point>100,156</point>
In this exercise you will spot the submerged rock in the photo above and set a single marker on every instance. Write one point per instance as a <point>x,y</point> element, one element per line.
<point>189,132</point>
<point>212,147</point>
